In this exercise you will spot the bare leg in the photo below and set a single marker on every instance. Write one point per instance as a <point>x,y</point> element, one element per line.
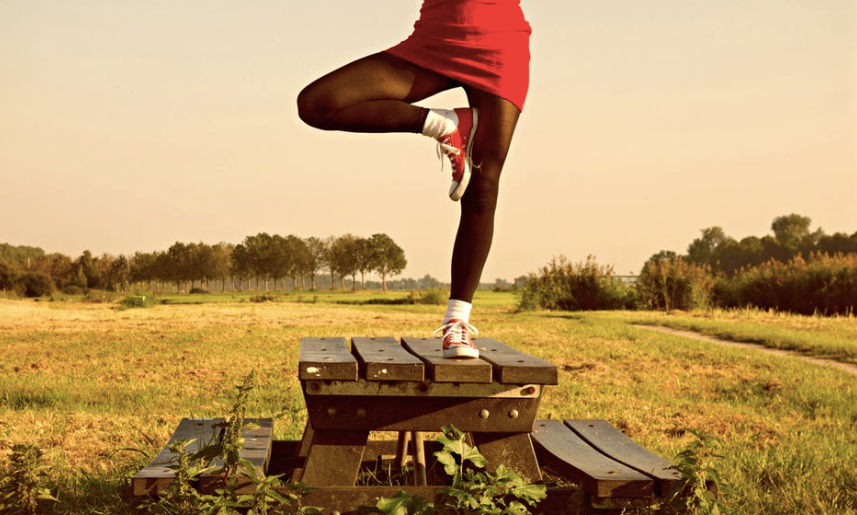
<point>497,120</point>
<point>373,94</point>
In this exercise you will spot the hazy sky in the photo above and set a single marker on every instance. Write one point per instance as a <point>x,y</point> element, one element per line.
<point>129,125</point>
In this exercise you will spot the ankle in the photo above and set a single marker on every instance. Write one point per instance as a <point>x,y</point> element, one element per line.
<point>439,122</point>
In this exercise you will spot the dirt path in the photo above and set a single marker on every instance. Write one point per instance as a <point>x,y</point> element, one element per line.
<point>847,367</point>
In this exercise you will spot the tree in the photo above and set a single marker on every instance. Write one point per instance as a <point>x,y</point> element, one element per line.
<point>703,251</point>
<point>343,258</point>
<point>387,257</point>
<point>317,249</point>
<point>792,232</point>
<point>221,263</point>
<point>363,259</point>
<point>119,273</point>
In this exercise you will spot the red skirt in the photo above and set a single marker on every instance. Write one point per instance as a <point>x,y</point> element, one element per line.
<point>480,43</point>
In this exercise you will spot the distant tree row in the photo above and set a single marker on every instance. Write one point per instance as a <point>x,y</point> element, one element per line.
<point>265,258</point>
<point>791,237</point>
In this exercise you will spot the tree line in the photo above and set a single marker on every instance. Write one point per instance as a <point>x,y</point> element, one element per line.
<point>269,260</point>
<point>792,237</point>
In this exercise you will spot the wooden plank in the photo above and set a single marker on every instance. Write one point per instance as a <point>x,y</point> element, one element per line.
<point>513,450</point>
<point>362,388</point>
<point>326,358</point>
<point>469,414</point>
<point>257,450</point>
<point>383,359</point>
<point>564,451</point>
<point>334,458</point>
<point>514,367</point>
<point>601,435</point>
<point>157,475</point>
<point>444,370</point>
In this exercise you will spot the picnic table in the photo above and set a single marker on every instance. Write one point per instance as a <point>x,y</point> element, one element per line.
<point>380,384</point>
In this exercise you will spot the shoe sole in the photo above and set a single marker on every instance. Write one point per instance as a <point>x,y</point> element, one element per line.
<point>460,351</point>
<point>456,190</point>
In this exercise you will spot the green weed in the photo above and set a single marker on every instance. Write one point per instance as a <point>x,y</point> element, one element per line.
<point>22,483</point>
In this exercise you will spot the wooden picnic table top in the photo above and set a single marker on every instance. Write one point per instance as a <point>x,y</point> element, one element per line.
<point>385,359</point>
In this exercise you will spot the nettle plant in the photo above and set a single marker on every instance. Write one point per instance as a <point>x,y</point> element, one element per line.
<point>473,491</point>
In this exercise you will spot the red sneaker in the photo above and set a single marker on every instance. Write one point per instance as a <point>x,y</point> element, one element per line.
<point>457,146</point>
<point>456,339</point>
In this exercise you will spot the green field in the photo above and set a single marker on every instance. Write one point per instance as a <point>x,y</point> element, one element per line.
<point>99,388</point>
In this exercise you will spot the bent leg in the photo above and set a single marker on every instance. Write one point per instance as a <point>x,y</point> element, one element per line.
<point>497,120</point>
<point>372,94</point>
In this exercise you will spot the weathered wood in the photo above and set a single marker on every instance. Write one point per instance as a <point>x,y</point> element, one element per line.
<point>514,367</point>
<point>326,359</point>
<point>334,457</point>
<point>443,370</point>
<point>565,452</point>
<point>425,414</point>
<point>383,359</point>
<point>257,450</point>
<point>513,450</point>
<point>344,499</point>
<point>158,475</point>
<point>361,387</point>
<point>601,435</point>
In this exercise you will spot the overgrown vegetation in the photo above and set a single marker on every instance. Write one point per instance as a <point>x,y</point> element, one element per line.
<point>22,482</point>
<point>563,285</point>
<point>474,490</point>
<point>675,284</point>
<point>222,454</point>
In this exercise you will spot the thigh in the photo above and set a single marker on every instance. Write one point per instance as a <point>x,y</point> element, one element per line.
<point>379,76</point>
<point>497,121</point>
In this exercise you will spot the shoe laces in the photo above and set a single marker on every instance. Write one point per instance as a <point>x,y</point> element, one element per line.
<point>456,331</point>
<point>447,150</point>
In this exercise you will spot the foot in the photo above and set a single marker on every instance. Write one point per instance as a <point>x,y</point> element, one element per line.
<point>456,339</point>
<point>457,147</point>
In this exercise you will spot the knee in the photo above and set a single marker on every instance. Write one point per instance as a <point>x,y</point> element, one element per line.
<point>481,195</point>
<point>313,108</point>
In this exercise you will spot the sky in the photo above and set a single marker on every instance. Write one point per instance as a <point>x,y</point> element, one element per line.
<point>127,126</point>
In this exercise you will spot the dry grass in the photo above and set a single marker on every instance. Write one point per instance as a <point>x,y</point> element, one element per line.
<point>86,382</point>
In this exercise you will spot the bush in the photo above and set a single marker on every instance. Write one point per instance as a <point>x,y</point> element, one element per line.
<point>72,289</point>
<point>262,298</point>
<point>675,284</point>
<point>139,300</point>
<point>820,284</point>
<point>35,284</point>
<point>197,290</point>
<point>563,285</point>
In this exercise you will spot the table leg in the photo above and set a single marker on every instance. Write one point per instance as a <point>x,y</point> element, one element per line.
<point>514,450</point>
<point>334,458</point>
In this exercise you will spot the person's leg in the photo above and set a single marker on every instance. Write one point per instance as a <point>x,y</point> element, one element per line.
<point>497,120</point>
<point>373,94</point>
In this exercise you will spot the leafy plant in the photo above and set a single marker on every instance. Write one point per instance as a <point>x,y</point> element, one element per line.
<point>473,491</point>
<point>697,490</point>
<point>21,484</point>
<point>181,498</point>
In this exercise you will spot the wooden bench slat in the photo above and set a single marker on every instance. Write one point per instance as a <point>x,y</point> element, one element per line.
<point>514,367</point>
<point>564,451</point>
<point>603,436</point>
<point>383,359</point>
<point>156,476</point>
<point>326,358</point>
<point>444,370</point>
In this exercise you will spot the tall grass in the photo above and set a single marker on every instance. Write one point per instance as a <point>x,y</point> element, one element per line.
<point>563,285</point>
<point>821,284</point>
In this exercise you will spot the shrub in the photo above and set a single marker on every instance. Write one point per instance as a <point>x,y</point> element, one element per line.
<point>570,286</point>
<point>36,284</point>
<point>675,284</point>
<point>819,284</point>
<point>194,291</point>
<point>139,300</point>
<point>72,289</point>
<point>262,298</point>
<point>434,297</point>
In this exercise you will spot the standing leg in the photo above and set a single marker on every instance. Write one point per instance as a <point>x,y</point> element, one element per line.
<point>497,120</point>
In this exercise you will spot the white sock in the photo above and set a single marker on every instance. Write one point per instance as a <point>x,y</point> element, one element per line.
<point>440,122</point>
<point>457,309</point>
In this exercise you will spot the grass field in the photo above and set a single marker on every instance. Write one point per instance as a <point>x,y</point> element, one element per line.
<point>99,388</point>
